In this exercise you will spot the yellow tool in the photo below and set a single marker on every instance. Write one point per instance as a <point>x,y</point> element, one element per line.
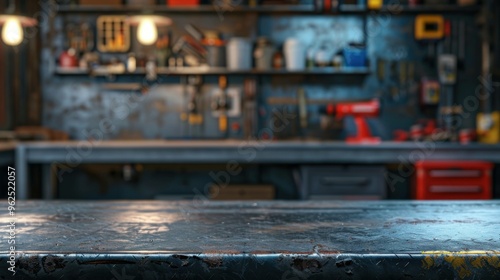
<point>374,4</point>
<point>223,116</point>
<point>488,127</point>
<point>429,27</point>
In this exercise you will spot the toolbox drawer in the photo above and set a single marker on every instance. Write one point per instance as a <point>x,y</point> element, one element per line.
<point>343,182</point>
<point>452,180</point>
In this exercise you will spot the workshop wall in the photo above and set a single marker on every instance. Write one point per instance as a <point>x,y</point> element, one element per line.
<point>78,104</point>
<point>84,107</point>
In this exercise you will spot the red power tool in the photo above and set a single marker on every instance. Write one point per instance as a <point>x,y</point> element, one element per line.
<point>360,111</point>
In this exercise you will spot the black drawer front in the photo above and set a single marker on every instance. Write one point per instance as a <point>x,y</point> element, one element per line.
<point>344,181</point>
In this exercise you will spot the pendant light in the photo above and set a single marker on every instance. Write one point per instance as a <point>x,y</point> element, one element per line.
<point>147,27</point>
<point>12,26</point>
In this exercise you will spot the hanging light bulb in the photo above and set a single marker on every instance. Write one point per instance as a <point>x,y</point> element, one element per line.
<point>12,32</point>
<point>147,32</point>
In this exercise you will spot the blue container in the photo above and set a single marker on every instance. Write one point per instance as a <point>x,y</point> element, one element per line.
<point>355,56</point>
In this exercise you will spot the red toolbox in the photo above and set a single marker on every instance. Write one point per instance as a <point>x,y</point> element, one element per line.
<point>452,180</point>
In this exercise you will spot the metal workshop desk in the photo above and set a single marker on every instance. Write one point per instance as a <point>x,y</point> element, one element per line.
<point>254,240</point>
<point>73,153</point>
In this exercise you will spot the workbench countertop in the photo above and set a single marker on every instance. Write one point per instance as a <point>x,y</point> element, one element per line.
<point>265,240</point>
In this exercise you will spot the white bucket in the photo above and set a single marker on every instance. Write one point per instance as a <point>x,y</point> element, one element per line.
<point>239,54</point>
<point>295,54</point>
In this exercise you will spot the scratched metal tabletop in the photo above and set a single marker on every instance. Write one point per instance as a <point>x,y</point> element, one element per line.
<point>254,240</point>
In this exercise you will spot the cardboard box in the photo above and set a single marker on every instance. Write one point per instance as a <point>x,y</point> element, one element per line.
<point>242,192</point>
<point>183,2</point>
<point>140,2</point>
<point>101,2</point>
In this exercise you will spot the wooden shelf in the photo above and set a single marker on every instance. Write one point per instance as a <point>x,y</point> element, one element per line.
<point>224,71</point>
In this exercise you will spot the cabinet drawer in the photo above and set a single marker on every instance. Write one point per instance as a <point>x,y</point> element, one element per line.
<point>452,180</point>
<point>344,182</point>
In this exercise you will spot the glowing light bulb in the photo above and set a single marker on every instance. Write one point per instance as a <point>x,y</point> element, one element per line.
<point>147,32</point>
<point>12,32</point>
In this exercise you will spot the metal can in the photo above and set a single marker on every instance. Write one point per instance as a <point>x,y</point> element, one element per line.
<point>263,54</point>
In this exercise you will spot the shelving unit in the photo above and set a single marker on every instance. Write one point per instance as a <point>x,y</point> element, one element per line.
<point>266,9</point>
<point>269,9</point>
<point>221,71</point>
<point>196,9</point>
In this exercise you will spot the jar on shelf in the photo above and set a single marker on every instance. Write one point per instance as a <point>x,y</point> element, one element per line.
<point>263,53</point>
<point>338,60</point>
<point>322,57</point>
<point>278,60</point>
<point>216,49</point>
<point>131,63</point>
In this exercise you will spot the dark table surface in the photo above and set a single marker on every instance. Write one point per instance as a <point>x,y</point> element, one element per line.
<point>265,240</point>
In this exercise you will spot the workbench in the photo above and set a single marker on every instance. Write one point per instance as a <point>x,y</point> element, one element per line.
<point>254,240</point>
<point>7,153</point>
<point>70,154</point>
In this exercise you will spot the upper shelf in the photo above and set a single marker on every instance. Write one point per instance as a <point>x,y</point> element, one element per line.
<point>222,71</point>
<point>186,9</point>
<point>270,9</point>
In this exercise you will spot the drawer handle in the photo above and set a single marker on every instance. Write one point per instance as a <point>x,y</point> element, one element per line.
<point>355,181</point>
<point>455,189</point>
<point>455,173</point>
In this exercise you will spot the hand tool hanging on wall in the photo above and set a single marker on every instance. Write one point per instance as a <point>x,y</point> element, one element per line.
<point>488,119</point>
<point>250,104</point>
<point>221,104</point>
<point>429,96</point>
<point>429,29</point>
<point>381,69</point>
<point>195,106</point>
<point>403,78</point>
<point>447,71</point>
<point>411,82</point>
<point>394,76</point>
<point>462,37</point>
<point>301,96</point>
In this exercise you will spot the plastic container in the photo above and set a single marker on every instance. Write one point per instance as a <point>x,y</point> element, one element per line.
<point>355,55</point>
<point>216,50</point>
<point>295,55</point>
<point>239,54</point>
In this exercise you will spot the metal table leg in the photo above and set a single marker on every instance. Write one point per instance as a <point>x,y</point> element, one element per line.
<point>21,172</point>
<point>48,187</point>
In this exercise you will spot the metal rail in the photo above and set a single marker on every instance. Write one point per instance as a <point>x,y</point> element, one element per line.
<point>73,153</point>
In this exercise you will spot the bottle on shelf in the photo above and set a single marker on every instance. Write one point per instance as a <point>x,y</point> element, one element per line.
<point>310,61</point>
<point>278,59</point>
<point>322,57</point>
<point>163,50</point>
<point>263,54</point>
<point>131,63</point>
